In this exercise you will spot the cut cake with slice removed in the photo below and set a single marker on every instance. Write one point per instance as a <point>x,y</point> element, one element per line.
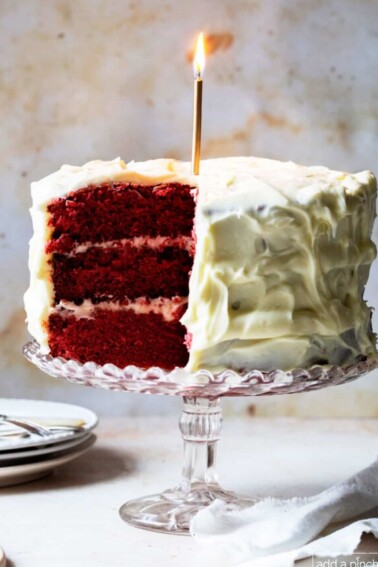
<point>252,264</point>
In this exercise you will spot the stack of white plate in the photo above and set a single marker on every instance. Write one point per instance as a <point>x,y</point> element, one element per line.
<point>25,456</point>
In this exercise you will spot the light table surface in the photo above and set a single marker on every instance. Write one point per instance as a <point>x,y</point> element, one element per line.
<point>70,519</point>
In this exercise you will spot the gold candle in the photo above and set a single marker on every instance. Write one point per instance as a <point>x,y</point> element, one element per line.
<point>198,66</point>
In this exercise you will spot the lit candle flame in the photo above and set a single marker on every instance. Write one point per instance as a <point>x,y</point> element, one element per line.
<point>199,57</point>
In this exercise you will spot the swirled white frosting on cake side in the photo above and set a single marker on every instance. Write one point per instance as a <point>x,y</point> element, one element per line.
<point>283,255</point>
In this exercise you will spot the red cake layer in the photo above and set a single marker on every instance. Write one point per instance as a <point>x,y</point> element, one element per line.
<point>120,210</point>
<point>119,272</point>
<point>119,337</point>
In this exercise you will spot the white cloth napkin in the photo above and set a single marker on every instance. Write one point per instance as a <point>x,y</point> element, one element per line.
<point>278,532</point>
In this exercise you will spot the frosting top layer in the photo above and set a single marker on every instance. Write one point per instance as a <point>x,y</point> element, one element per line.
<point>273,182</point>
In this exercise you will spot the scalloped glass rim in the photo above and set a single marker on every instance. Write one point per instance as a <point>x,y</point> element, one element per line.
<point>203,383</point>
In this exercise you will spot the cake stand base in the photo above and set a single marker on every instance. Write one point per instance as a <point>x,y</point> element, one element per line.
<point>172,511</point>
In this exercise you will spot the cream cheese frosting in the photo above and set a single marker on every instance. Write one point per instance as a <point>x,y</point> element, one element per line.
<point>164,306</point>
<point>282,256</point>
<point>154,243</point>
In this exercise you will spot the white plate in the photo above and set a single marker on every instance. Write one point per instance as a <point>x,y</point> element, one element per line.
<point>38,408</point>
<point>19,474</point>
<point>20,451</point>
<point>36,452</point>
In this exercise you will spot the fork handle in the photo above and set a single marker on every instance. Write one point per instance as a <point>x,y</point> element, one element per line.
<point>27,425</point>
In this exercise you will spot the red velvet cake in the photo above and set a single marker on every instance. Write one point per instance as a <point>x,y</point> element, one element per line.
<point>253,263</point>
<point>120,259</point>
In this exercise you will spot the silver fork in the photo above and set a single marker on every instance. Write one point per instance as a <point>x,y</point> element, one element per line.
<point>60,425</point>
<point>27,425</point>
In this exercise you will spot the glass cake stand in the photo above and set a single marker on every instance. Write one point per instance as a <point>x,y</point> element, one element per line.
<point>200,423</point>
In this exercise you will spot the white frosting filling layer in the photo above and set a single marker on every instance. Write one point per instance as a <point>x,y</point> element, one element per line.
<point>155,243</point>
<point>166,307</point>
<point>282,257</point>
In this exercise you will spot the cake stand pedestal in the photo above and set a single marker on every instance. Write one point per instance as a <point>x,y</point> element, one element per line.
<point>200,423</point>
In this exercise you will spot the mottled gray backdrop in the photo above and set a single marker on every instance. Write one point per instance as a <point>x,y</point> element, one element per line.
<point>87,79</point>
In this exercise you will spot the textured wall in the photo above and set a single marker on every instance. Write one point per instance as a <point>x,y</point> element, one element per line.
<point>86,79</point>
